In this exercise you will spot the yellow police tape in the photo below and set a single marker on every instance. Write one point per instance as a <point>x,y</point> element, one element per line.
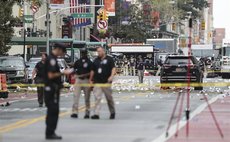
<point>185,84</point>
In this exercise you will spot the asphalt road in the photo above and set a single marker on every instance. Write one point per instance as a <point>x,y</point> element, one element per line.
<point>142,115</point>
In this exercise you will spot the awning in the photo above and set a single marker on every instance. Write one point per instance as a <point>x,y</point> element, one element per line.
<point>28,41</point>
<point>133,49</point>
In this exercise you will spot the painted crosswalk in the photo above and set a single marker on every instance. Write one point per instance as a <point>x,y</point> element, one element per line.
<point>29,109</point>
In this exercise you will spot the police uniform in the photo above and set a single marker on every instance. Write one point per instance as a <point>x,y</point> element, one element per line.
<point>140,68</point>
<point>82,68</point>
<point>39,79</point>
<point>102,71</point>
<point>52,94</point>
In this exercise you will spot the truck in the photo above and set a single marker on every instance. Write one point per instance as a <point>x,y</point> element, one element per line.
<point>225,59</point>
<point>166,45</point>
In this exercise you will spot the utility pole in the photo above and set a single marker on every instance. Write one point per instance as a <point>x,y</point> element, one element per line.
<point>24,31</point>
<point>47,27</point>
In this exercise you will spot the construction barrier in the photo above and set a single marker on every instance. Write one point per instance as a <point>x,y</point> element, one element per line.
<point>72,79</point>
<point>3,86</point>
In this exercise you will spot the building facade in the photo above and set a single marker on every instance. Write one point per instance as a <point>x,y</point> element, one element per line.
<point>219,35</point>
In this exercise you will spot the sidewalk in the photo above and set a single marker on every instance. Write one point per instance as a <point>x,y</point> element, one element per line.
<point>202,127</point>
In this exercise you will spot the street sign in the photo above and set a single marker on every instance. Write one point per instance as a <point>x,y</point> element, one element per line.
<point>82,15</point>
<point>28,18</point>
<point>28,21</point>
<point>102,25</point>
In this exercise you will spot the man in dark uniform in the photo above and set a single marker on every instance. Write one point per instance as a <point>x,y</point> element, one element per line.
<point>141,70</point>
<point>103,73</point>
<point>52,90</point>
<point>82,68</point>
<point>38,76</point>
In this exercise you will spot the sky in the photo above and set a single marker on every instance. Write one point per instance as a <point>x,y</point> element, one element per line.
<point>222,15</point>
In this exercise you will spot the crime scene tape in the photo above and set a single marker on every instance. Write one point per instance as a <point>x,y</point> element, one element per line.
<point>207,84</point>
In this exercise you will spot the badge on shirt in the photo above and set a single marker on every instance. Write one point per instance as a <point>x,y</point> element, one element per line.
<point>105,61</point>
<point>52,62</point>
<point>85,65</point>
<point>99,70</point>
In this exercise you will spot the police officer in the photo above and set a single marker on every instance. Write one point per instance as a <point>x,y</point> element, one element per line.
<point>141,69</point>
<point>39,71</point>
<point>82,68</point>
<point>52,90</point>
<point>103,73</point>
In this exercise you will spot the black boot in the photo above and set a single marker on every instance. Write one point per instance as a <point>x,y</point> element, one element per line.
<point>74,115</point>
<point>112,116</point>
<point>95,117</point>
<point>53,137</point>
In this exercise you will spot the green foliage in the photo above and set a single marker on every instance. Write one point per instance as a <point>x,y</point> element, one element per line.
<point>7,22</point>
<point>134,30</point>
<point>179,9</point>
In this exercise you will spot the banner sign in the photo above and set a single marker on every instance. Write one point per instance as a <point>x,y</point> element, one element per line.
<point>57,4</point>
<point>109,6</point>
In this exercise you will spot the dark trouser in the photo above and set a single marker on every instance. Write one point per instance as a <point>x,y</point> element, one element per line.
<point>52,93</point>
<point>140,75</point>
<point>40,90</point>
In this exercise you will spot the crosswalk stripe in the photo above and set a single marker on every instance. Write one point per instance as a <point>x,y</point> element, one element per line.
<point>30,109</point>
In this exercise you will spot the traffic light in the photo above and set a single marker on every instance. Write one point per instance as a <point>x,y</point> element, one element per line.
<point>173,26</point>
<point>21,12</point>
<point>28,32</point>
<point>65,20</point>
<point>100,17</point>
<point>103,15</point>
<point>203,25</point>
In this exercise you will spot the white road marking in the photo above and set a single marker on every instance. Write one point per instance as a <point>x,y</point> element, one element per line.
<point>30,109</point>
<point>182,123</point>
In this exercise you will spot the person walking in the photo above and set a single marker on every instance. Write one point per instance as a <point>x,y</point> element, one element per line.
<point>38,76</point>
<point>141,69</point>
<point>132,66</point>
<point>82,68</point>
<point>52,90</point>
<point>102,74</point>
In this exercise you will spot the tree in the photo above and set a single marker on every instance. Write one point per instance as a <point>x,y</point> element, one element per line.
<point>134,29</point>
<point>195,7</point>
<point>7,22</point>
<point>168,11</point>
<point>176,10</point>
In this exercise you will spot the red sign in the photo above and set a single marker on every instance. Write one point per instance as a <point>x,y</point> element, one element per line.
<point>109,6</point>
<point>56,1</point>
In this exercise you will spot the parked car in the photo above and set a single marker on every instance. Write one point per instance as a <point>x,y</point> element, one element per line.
<point>31,66</point>
<point>175,69</point>
<point>15,69</point>
<point>35,59</point>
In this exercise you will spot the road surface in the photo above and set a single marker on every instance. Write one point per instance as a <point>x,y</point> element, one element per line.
<point>142,115</point>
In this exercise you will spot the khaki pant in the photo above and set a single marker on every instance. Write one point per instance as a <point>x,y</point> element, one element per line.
<point>77,94</point>
<point>98,91</point>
